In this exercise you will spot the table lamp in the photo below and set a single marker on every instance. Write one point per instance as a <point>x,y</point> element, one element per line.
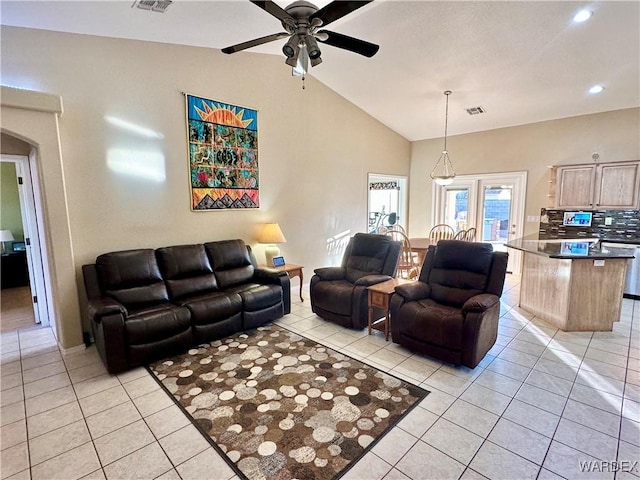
<point>271,234</point>
<point>5,236</point>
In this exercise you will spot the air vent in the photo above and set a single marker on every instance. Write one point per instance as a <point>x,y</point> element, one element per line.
<point>153,5</point>
<point>475,110</point>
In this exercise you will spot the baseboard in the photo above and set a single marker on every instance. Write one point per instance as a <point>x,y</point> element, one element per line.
<point>72,350</point>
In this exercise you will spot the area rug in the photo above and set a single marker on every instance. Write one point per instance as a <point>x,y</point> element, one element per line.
<point>279,406</point>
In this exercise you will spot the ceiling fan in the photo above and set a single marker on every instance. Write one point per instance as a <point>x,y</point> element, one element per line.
<point>302,21</point>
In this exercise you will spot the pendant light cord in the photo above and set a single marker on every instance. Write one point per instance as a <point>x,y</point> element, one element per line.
<point>446,118</point>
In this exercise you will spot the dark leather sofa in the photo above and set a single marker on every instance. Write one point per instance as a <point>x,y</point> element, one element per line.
<point>452,311</point>
<point>339,294</point>
<point>145,304</point>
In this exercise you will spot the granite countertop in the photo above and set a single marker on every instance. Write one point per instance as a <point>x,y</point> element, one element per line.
<point>571,249</point>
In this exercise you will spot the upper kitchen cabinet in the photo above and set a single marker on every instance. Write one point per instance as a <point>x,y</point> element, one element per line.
<point>598,186</point>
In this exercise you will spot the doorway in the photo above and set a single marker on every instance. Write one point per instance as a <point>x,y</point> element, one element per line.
<point>27,303</point>
<point>387,201</point>
<point>492,203</point>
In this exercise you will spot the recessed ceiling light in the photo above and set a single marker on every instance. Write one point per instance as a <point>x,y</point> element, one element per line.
<point>596,89</point>
<point>582,16</point>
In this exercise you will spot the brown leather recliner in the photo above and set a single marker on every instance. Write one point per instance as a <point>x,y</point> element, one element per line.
<point>452,311</point>
<point>339,294</point>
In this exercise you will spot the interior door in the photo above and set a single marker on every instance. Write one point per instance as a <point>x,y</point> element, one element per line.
<point>32,238</point>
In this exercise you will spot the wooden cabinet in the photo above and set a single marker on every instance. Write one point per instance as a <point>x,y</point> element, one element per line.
<point>618,185</point>
<point>598,185</point>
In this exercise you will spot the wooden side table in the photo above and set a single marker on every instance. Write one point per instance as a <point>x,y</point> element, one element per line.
<point>380,296</point>
<point>293,271</point>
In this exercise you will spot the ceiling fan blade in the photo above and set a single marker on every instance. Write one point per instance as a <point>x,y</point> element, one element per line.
<point>254,43</point>
<point>337,9</point>
<point>349,43</point>
<point>275,10</point>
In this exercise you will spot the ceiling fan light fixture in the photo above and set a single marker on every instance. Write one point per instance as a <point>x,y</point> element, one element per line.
<point>443,173</point>
<point>312,47</point>
<point>292,47</point>
<point>315,61</point>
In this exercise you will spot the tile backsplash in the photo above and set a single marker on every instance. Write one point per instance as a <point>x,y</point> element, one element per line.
<point>625,225</point>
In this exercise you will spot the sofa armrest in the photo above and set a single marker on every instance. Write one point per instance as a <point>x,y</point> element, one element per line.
<point>480,303</point>
<point>276,277</point>
<point>369,280</point>
<point>268,275</point>
<point>103,306</point>
<point>414,291</point>
<point>331,273</point>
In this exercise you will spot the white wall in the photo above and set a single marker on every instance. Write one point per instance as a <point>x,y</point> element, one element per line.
<point>315,148</point>
<point>533,147</point>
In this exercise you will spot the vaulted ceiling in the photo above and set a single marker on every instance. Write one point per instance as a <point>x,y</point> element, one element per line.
<point>522,61</point>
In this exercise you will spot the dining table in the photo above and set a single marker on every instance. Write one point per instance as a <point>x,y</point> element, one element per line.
<point>420,246</point>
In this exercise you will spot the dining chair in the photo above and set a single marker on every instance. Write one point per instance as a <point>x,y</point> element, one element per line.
<point>461,235</point>
<point>471,235</point>
<point>397,228</point>
<point>442,231</point>
<point>408,265</point>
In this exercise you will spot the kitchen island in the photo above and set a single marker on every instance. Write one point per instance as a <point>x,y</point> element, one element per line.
<point>574,285</point>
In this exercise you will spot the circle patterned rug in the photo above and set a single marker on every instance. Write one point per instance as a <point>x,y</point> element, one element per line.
<point>280,406</point>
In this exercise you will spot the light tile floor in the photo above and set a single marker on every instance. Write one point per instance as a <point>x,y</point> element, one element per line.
<point>540,403</point>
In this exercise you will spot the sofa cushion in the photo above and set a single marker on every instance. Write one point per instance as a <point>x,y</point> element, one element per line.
<point>334,296</point>
<point>156,323</point>
<point>132,277</point>
<point>460,270</point>
<point>256,296</point>
<point>187,270</point>
<point>368,256</point>
<point>430,322</point>
<point>213,307</point>
<point>231,262</point>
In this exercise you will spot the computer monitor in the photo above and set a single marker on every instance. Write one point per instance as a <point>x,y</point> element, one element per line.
<point>18,246</point>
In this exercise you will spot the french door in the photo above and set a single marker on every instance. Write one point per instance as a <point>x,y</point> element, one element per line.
<point>493,204</point>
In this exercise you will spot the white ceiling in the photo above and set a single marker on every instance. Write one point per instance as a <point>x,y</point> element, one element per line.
<point>522,61</point>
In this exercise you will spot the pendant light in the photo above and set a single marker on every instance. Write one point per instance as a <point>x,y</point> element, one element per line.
<point>443,173</point>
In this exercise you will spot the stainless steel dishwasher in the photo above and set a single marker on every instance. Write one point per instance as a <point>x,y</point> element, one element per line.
<point>632,283</point>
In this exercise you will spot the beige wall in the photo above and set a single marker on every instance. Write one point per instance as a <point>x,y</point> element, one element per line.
<point>13,146</point>
<point>315,147</point>
<point>10,217</point>
<point>614,135</point>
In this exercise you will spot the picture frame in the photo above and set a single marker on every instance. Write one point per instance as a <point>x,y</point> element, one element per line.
<point>278,261</point>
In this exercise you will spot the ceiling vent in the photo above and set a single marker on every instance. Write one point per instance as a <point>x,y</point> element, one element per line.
<point>475,110</point>
<point>153,5</point>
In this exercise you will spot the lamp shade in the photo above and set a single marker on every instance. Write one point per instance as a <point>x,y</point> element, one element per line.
<point>6,236</point>
<point>271,233</point>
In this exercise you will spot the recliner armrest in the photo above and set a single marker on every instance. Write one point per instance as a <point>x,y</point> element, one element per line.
<point>331,273</point>
<point>369,280</point>
<point>480,303</point>
<point>268,275</point>
<point>103,306</point>
<point>414,291</point>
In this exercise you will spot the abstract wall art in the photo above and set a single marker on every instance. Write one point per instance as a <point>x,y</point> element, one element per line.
<point>223,155</point>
